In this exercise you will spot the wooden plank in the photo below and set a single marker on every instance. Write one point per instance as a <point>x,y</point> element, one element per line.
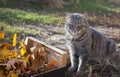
<point>41,42</point>
<point>52,52</point>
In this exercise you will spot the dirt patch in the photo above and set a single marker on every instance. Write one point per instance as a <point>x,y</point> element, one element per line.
<point>104,19</point>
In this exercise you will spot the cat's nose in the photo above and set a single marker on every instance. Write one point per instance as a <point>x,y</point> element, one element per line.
<point>73,31</point>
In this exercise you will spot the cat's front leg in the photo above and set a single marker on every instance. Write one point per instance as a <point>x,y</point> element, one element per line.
<point>73,59</point>
<point>83,58</point>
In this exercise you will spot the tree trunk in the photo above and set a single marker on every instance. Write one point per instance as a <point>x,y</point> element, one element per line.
<point>4,2</point>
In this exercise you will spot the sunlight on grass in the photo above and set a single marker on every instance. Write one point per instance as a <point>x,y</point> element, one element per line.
<point>17,16</point>
<point>16,29</point>
<point>10,30</point>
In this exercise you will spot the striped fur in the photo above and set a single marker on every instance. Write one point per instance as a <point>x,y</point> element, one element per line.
<point>85,42</point>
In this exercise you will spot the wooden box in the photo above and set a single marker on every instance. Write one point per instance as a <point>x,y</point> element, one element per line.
<point>53,53</point>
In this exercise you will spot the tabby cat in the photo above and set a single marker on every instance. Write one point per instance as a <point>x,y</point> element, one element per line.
<point>85,42</point>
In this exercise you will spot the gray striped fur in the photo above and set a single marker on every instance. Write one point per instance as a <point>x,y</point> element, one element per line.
<point>85,42</point>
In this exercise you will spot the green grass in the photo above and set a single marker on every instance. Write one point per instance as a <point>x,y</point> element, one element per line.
<point>16,29</point>
<point>12,16</point>
<point>10,30</point>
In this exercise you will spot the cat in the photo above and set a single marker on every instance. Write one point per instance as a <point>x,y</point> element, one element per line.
<point>85,42</point>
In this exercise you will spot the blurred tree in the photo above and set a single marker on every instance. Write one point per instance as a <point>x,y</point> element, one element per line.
<point>48,3</point>
<point>3,2</point>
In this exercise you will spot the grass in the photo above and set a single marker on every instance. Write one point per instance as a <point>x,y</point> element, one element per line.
<point>17,15</point>
<point>12,16</point>
<point>10,30</point>
<point>16,29</point>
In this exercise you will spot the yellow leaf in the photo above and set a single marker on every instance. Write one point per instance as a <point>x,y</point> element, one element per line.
<point>1,35</point>
<point>6,54</point>
<point>26,58</point>
<point>15,39</point>
<point>23,47</point>
<point>22,51</point>
<point>12,74</point>
<point>22,43</point>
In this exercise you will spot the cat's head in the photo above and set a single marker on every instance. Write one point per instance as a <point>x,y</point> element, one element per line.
<point>76,23</point>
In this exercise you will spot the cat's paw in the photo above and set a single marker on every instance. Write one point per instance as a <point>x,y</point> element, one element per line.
<point>71,69</point>
<point>80,72</point>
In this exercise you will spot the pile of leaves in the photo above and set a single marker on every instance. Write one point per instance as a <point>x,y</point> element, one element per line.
<point>16,62</point>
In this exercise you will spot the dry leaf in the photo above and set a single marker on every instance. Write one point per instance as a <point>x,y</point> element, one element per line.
<point>38,57</point>
<point>26,58</point>
<point>22,51</point>
<point>6,54</point>
<point>24,67</point>
<point>23,48</point>
<point>14,39</point>
<point>22,43</point>
<point>2,72</point>
<point>50,66</point>
<point>1,35</point>
<point>7,46</point>
<point>12,74</point>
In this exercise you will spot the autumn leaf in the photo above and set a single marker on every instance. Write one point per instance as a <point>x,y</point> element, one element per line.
<point>1,35</point>
<point>12,74</point>
<point>15,39</point>
<point>6,54</point>
<point>22,43</point>
<point>23,47</point>
<point>26,58</point>
<point>51,65</point>
<point>22,51</point>
<point>7,46</point>
<point>2,72</point>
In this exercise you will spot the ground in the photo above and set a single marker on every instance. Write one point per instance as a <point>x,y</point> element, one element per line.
<point>54,35</point>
